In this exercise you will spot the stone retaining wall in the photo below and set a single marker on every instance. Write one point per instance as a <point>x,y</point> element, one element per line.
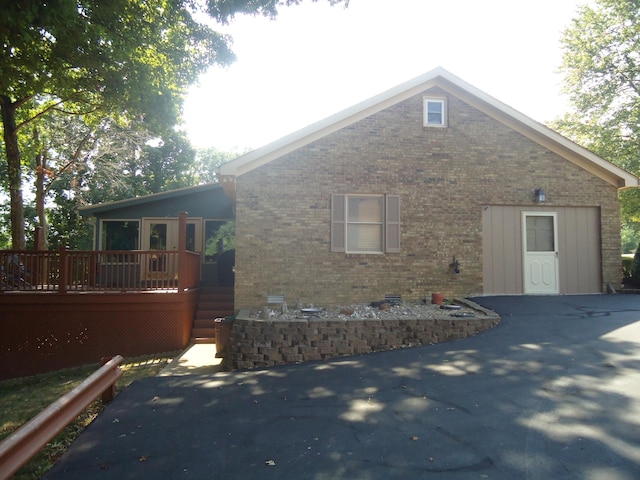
<point>261,343</point>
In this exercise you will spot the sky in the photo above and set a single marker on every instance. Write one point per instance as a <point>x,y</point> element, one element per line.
<point>315,60</point>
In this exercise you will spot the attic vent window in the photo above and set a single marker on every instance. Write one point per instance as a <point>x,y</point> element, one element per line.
<point>435,113</point>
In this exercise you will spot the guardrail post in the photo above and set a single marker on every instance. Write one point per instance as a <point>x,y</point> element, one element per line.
<point>110,392</point>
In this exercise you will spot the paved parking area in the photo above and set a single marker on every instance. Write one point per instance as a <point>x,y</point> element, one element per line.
<point>553,392</point>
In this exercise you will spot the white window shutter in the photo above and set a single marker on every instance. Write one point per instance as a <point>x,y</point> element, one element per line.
<point>338,223</point>
<point>392,224</point>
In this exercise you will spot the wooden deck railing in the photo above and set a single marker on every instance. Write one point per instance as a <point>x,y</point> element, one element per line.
<point>65,271</point>
<point>24,443</point>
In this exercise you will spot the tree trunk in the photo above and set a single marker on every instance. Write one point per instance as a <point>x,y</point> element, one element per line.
<point>14,171</point>
<point>41,168</point>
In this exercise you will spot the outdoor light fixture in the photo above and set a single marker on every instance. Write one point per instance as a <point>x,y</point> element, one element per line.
<point>455,265</point>
<point>540,196</point>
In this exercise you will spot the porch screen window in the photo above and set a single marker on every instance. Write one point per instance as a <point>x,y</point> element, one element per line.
<point>120,235</point>
<point>219,237</point>
<point>365,223</point>
<point>434,112</point>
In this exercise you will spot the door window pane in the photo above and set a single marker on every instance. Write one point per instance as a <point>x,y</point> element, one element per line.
<point>158,236</point>
<point>540,234</point>
<point>191,237</point>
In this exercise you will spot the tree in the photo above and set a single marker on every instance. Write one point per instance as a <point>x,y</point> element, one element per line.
<point>207,161</point>
<point>129,59</point>
<point>67,151</point>
<point>601,63</point>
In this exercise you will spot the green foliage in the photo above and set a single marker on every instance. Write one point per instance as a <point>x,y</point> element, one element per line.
<point>127,60</point>
<point>23,398</point>
<point>224,10</point>
<point>627,263</point>
<point>635,268</point>
<point>601,64</point>
<point>130,56</point>
<point>207,162</point>
<point>5,225</point>
<point>630,236</point>
<point>221,240</point>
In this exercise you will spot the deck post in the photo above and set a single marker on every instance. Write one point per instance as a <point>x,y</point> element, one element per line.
<point>182,251</point>
<point>64,270</point>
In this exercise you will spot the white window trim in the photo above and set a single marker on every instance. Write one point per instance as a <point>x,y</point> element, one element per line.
<point>425,116</point>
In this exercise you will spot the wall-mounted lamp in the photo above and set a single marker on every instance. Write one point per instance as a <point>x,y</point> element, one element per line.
<point>455,265</point>
<point>539,195</point>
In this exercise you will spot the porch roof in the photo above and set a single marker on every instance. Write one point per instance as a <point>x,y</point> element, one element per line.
<point>91,210</point>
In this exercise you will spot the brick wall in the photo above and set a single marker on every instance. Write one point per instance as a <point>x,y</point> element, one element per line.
<point>259,343</point>
<point>444,177</point>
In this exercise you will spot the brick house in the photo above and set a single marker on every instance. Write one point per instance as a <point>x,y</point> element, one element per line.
<point>432,186</point>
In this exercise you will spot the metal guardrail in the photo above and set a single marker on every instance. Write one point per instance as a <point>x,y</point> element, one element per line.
<point>28,440</point>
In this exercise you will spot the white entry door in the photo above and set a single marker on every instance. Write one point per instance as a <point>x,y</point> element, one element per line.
<point>540,247</point>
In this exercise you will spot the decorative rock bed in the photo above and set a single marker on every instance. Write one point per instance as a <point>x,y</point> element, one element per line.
<point>297,336</point>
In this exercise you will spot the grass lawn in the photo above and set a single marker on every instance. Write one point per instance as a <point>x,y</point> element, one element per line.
<point>23,398</point>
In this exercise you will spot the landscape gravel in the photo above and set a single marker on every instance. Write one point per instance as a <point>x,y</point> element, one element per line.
<point>384,311</point>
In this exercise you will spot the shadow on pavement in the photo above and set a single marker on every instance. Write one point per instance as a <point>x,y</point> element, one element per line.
<point>552,392</point>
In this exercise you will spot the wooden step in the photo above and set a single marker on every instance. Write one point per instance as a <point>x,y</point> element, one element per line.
<point>215,306</point>
<point>203,332</point>
<point>217,291</point>
<point>213,302</point>
<point>204,323</point>
<point>213,314</point>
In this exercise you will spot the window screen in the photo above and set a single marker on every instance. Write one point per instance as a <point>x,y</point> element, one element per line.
<point>365,223</point>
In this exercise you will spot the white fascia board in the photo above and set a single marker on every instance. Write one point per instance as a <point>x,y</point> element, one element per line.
<point>315,131</point>
<point>539,133</point>
<point>456,86</point>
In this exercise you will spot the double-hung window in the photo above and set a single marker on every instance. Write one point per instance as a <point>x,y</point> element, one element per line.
<point>365,223</point>
<point>435,112</point>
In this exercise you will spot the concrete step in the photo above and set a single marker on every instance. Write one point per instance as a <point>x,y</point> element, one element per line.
<point>203,340</point>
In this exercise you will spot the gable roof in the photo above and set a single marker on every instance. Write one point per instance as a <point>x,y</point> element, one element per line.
<point>90,210</point>
<point>455,86</point>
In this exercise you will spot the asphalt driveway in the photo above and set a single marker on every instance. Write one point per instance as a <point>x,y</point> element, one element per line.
<point>553,392</point>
